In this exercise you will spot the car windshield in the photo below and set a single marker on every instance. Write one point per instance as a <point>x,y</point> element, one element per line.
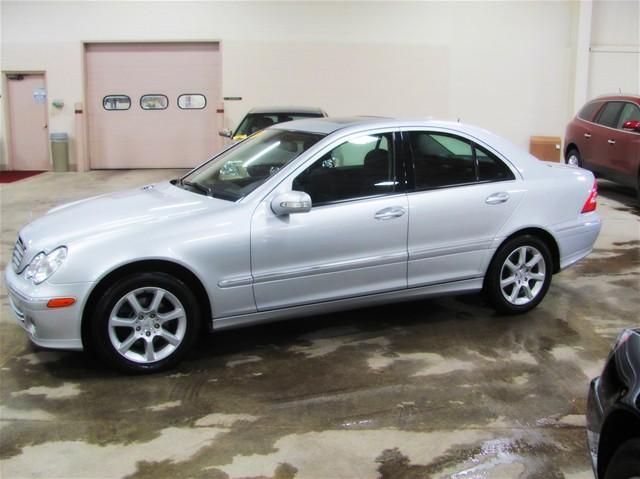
<point>254,122</point>
<point>241,169</point>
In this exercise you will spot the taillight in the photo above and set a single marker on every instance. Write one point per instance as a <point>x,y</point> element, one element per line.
<point>591,203</point>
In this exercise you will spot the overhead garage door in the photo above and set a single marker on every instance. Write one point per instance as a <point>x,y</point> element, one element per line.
<point>152,105</point>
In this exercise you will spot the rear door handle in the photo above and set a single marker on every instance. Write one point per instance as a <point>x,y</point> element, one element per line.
<point>611,142</point>
<point>587,135</point>
<point>497,198</point>
<point>390,213</point>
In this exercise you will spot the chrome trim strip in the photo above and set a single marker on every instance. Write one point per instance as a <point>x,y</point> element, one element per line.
<point>380,260</point>
<point>232,282</point>
<point>448,250</point>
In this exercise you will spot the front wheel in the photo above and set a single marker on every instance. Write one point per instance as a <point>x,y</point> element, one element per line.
<point>145,323</point>
<point>519,275</point>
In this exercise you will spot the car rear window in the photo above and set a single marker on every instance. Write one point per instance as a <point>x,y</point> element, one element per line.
<point>589,110</point>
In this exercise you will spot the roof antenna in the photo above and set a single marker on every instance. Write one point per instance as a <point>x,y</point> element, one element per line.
<point>620,90</point>
<point>458,120</point>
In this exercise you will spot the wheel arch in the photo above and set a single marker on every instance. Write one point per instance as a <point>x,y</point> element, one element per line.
<point>570,146</point>
<point>144,266</point>
<point>619,427</point>
<point>542,235</point>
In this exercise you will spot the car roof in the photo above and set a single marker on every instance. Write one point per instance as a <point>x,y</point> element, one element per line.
<point>350,125</point>
<point>619,97</point>
<point>288,109</point>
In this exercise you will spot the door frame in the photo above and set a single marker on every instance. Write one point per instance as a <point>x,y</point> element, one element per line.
<point>6,111</point>
<point>84,158</point>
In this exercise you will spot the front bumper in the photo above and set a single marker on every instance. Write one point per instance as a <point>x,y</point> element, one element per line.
<point>594,423</point>
<point>57,328</point>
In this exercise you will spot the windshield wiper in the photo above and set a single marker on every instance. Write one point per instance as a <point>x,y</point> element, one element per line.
<point>198,186</point>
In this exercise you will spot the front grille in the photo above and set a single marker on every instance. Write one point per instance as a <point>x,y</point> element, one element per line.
<point>18,254</point>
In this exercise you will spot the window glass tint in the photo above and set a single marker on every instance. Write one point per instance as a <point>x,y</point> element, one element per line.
<point>490,167</point>
<point>590,109</point>
<point>237,172</point>
<point>630,112</point>
<point>116,102</point>
<point>154,102</point>
<point>441,160</point>
<point>192,101</point>
<point>609,114</point>
<point>360,167</point>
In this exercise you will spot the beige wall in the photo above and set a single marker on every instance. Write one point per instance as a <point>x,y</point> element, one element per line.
<point>507,66</point>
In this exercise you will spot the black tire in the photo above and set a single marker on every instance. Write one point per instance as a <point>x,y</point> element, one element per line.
<point>492,289</point>
<point>573,152</point>
<point>625,463</point>
<point>175,296</point>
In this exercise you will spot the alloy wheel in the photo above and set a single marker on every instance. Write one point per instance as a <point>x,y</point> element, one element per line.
<point>147,325</point>
<point>522,275</point>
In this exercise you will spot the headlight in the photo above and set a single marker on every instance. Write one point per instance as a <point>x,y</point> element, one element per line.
<point>44,265</point>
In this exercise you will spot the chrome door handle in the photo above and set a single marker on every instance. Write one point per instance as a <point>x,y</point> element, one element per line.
<point>497,198</point>
<point>611,142</point>
<point>587,135</point>
<point>389,213</point>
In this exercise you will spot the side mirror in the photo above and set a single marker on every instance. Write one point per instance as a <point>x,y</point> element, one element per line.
<point>227,133</point>
<point>290,203</point>
<point>631,125</point>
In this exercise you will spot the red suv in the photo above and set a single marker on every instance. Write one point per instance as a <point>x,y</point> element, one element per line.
<point>604,137</point>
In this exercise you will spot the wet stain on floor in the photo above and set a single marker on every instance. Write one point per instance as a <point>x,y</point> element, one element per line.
<point>429,389</point>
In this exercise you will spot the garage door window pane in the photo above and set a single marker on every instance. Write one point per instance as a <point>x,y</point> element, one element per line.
<point>116,102</point>
<point>192,102</point>
<point>358,168</point>
<point>154,102</point>
<point>441,160</point>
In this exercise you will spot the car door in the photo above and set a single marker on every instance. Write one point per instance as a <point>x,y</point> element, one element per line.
<point>352,242</point>
<point>460,195</point>
<point>602,136</point>
<point>624,145</point>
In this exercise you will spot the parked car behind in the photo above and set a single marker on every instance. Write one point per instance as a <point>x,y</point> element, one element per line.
<point>604,137</point>
<point>323,215</point>
<point>613,412</point>
<point>260,118</point>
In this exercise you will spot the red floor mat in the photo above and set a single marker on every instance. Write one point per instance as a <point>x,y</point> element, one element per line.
<point>11,176</point>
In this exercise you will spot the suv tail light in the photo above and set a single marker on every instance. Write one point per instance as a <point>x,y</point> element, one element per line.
<point>591,203</point>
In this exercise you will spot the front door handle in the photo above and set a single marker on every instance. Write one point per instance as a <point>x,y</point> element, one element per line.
<point>497,198</point>
<point>587,135</point>
<point>611,142</point>
<point>390,213</point>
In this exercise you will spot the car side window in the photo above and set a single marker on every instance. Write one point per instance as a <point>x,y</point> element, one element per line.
<point>490,167</point>
<point>609,114</point>
<point>630,112</point>
<point>361,167</point>
<point>441,160</point>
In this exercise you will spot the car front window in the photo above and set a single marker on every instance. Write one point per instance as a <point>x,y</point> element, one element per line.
<point>241,169</point>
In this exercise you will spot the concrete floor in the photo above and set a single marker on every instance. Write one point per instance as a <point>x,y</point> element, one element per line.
<point>429,389</point>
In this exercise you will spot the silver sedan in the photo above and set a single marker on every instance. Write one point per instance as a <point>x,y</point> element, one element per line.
<point>317,215</point>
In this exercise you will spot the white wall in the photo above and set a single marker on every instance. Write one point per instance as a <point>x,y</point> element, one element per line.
<point>507,66</point>
<point>615,48</point>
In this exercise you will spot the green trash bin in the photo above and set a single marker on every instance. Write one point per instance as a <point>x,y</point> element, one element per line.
<point>60,151</point>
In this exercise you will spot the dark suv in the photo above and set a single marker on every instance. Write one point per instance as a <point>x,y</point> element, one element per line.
<point>604,137</point>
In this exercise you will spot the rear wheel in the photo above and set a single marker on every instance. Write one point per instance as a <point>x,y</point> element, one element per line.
<point>625,463</point>
<point>519,275</point>
<point>146,323</point>
<point>573,158</point>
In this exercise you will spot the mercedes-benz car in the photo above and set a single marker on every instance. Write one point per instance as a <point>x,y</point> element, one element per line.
<point>613,411</point>
<point>323,215</point>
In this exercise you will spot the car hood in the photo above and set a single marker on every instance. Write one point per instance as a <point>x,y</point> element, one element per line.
<point>128,211</point>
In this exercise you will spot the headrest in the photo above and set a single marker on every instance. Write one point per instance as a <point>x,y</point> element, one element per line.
<point>377,158</point>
